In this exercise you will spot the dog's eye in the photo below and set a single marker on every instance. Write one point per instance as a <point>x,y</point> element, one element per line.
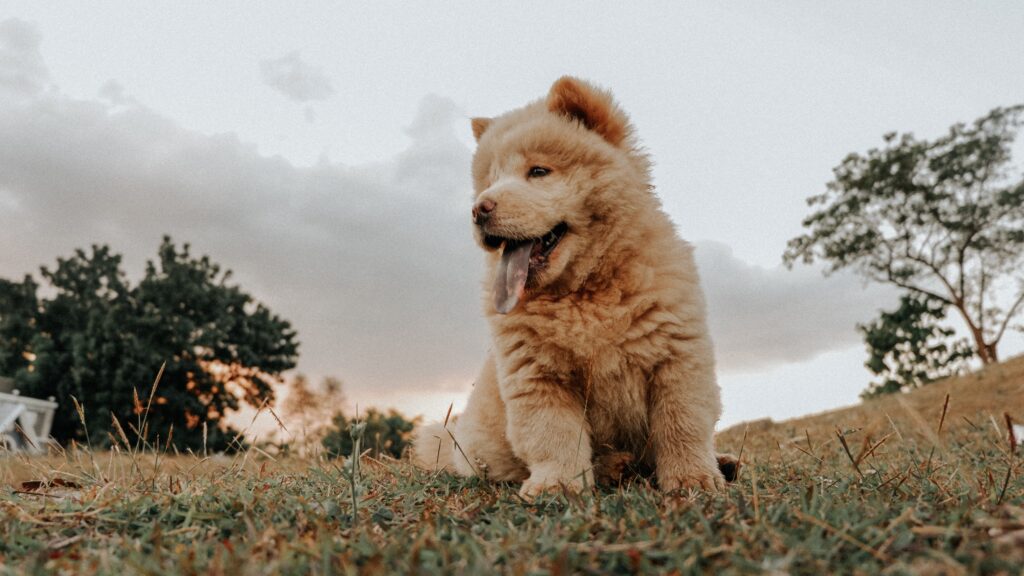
<point>538,172</point>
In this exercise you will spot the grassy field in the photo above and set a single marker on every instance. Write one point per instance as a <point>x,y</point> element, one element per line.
<point>925,483</point>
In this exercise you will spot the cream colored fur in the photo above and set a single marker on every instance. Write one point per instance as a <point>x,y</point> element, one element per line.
<point>608,350</point>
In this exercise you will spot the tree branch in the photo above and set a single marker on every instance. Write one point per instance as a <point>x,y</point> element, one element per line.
<point>981,296</point>
<point>1009,315</point>
<point>938,273</point>
<point>891,279</point>
<point>962,256</point>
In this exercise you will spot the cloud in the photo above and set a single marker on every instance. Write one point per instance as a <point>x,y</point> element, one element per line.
<point>763,317</point>
<point>374,264</point>
<point>369,262</point>
<point>297,80</point>
<point>22,70</point>
<point>113,92</point>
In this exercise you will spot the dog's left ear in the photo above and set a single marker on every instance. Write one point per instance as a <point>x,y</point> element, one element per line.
<point>591,106</point>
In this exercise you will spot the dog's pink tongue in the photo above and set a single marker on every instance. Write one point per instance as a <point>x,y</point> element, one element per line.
<point>510,282</point>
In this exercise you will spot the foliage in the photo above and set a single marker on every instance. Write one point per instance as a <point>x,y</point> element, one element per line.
<point>942,219</point>
<point>384,433</point>
<point>909,348</point>
<point>18,304</point>
<point>102,341</point>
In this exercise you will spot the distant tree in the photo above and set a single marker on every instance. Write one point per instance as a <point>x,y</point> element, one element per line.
<point>307,409</point>
<point>908,347</point>
<point>386,433</point>
<point>101,340</point>
<point>18,308</point>
<point>942,219</point>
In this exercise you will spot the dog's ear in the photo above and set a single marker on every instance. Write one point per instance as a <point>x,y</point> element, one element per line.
<point>479,127</point>
<point>593,107</point>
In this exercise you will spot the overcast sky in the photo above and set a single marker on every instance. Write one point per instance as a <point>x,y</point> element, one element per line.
<point>322,152</point>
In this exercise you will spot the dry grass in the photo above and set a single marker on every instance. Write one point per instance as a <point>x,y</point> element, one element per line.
<point>913,485</point>
<point>976,399</point>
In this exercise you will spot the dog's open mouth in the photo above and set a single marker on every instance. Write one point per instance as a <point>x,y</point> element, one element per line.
<point>518,259</point>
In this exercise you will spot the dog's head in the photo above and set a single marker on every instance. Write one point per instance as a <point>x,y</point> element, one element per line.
<point>553,181</point>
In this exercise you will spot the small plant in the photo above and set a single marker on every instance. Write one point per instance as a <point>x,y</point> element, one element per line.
<point>355,431</point>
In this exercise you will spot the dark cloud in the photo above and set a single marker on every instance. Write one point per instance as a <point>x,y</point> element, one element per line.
<point>113,92</point>
<point>369,262</point>
<point>297,80</point>
<point>762,317</point>
<point>374,264</point>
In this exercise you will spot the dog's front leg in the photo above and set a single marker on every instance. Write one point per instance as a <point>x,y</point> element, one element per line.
<point>548,430</point>
<point>684,406</point>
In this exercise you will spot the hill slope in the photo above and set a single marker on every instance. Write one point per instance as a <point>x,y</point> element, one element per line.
<point>977,399</point>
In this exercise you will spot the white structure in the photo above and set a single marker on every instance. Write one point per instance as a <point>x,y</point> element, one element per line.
<point>25,422</point>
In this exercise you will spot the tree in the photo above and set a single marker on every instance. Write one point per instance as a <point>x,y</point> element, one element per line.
<point>941,219</point>
<point>386,433</point>
<point>307,409</point>
<point>18,304</point>
<point>908,347</point>
<point>103,341</point>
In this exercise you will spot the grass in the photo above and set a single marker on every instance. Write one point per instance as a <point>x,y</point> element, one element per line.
<point>916,485</point>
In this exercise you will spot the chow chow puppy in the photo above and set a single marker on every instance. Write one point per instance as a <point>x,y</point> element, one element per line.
<point>600,344</point>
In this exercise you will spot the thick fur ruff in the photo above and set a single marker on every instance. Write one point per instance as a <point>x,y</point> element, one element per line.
<point>603,354</point>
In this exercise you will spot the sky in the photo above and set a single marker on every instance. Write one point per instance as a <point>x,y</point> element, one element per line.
<point>321,151</point>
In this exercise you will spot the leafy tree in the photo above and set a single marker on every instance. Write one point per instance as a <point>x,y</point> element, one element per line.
<point>386,433</point>
<point>18,305</point>
<point>79,334</point>
<point>102,341</point>
<point>909,348</point>
<point>942,219</point>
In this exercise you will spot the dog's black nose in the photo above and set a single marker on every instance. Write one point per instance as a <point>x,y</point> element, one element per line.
<point>482,211</point>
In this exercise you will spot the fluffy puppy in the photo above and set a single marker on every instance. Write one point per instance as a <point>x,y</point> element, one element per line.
<point>600,344</point>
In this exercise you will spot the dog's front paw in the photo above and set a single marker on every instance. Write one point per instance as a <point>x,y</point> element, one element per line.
<point>554,478</point>
<point>694,476</point>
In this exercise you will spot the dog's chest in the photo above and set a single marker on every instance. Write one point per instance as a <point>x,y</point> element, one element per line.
<point>599,327</point>
<point>606,351</point>
<point>616,408</point>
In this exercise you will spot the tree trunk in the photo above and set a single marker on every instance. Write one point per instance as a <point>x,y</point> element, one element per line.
<point>987,352</point>
<point>992,353</point>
